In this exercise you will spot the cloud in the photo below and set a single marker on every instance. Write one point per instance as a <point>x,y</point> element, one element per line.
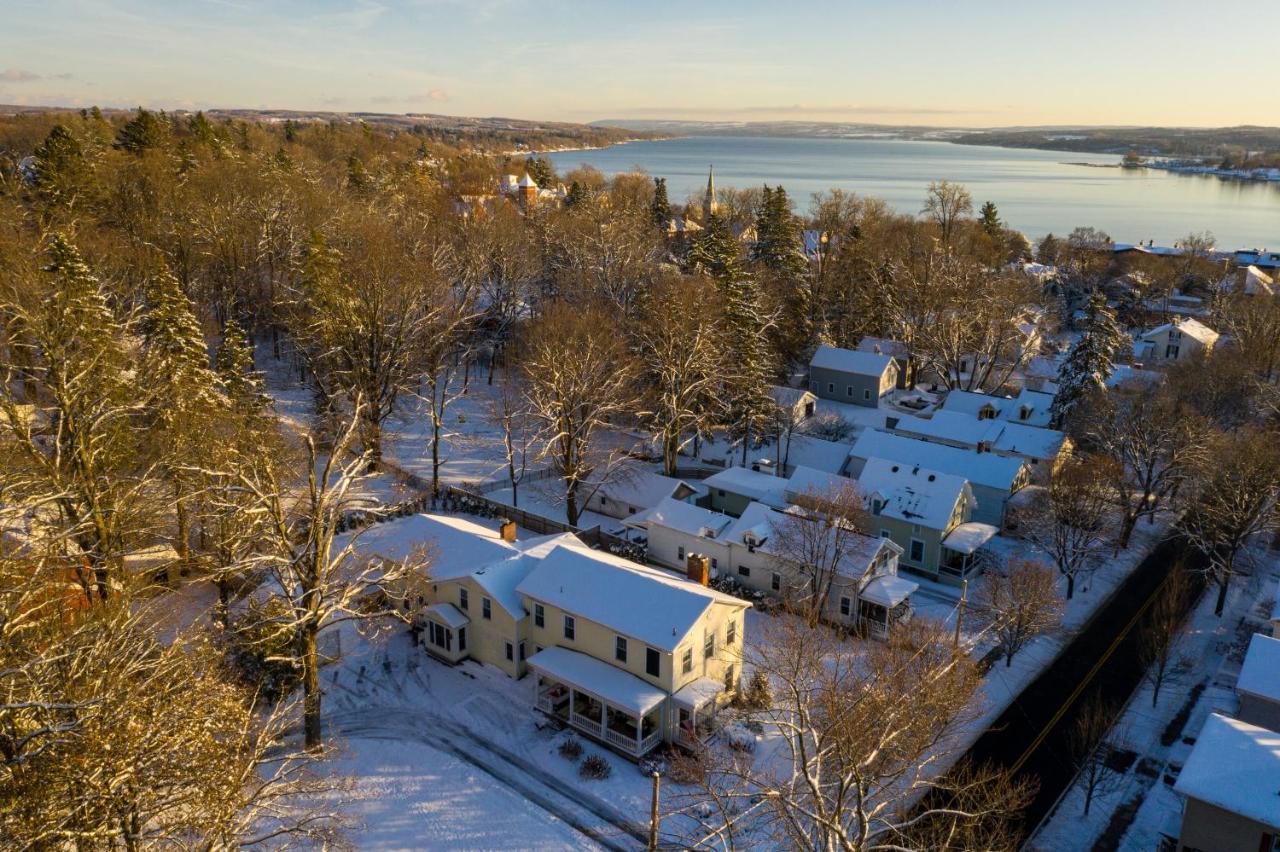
<point>430,95</point>
<point>18,75</point>
<point>798,110</point>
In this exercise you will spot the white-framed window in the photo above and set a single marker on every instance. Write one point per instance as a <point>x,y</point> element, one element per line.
<point>1171,351</point>
<point>731,633</point>
<point>680,549</point>
<point>744,571</point>
<point>464,599</point>
<point>686,661</point>
<point>652,662</point>
<point>539,615</point>
<point>846,606</point>
<point>620,648</point>
<point>831,387</point>
<point>866,393</point>
<point>486,608</point>
<point>570,627</point>
<point>885,534</point>
<point>511,652</point>
<point>848,391</point>
<point>917,550</point>
<point>709,645</point>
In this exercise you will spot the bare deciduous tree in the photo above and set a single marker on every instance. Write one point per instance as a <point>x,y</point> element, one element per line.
<point>509,411</point>
<point>1017,603</point>
<point>1087,741</point>
<point>1160,630</point>
<point>946,203</point>
<point>817,540</point>
<point>1068,522</point>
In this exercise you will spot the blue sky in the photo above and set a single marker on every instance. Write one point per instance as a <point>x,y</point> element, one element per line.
<point>944,62</point>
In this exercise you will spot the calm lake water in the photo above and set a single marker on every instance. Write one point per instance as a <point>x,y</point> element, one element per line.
<point>1036,191</point>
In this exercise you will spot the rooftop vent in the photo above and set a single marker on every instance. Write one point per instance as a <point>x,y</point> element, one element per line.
<point>932,477</point>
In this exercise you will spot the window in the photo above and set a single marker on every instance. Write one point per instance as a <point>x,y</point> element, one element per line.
<point>522,652</point>
<point>511,652</point>
<point>620,649</point>
<point>730,681</point>
<point>463,600</point>
<point>1171,352</point>
<point>421,601</point>
<point>462,638</point>
<point>744,571</point>
<point>845,606</point>
<point>777,582</point>
<point>714,565</point>
<point>917,550</point>
<point>568,627</point>
<point>866,393</point>
<point>709,645</point>
<point>680,549</point>
<point>877,506</point>
<point>485,608</point>
<point>848,391</point>
<point>831,387</point>
<point>731,634</point>
<point>539,615</point>
<point>885,534</point>
<point>604,501</point>
<point>686,661</point>
<point>652,662</point>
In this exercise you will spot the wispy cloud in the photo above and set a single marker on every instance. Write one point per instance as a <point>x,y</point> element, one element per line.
<point>796,110</point>
<point>423,97</point>
<point>18,75</point>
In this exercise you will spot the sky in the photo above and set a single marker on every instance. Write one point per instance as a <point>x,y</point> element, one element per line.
<point>966,63</point>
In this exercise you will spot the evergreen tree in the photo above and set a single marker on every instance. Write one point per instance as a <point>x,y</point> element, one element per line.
<point>989,219</point>
<point>778,252</point>
<point>1091,360</point>
<point>143,132</point>
<point>577,194</point>
<point>358,179</point>
<point>61,172</point>
<point>660,209</point>
<point>240,380</point>
<point>742,332</point>
<point>199,127</point>
<point>540,170</point>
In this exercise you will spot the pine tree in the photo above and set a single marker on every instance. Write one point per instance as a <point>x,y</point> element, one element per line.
<point>660,209</point>
<point>62,173</point>
<point>1091,360</point>
<point>576,195</point>
<point>989,219</point>
<point>540,170</point>
<point>358,179</point>
<point>200,128</point>
<point>779,254</point>
<point>240,380</point>
<point>143,132</point>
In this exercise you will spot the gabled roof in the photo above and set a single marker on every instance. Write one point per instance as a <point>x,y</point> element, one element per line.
<point>754,484</point>
<point>1190,327</point>
<point>882,346</point>
<point>644,488</point>
<point>682,517</point>
<point>528,182</point>
<point>850,361</point>
<point>1235,766</point>
<point>1033,403</point>
<point>456,546</point>
<point>985,469</point>
<point>912,493</point>
<point>645,603</point>
<point>786,397</point>
<point>758,522</point>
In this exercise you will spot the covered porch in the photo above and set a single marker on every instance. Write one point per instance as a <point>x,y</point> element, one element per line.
<point>444,632</point>
<point>963,550</point>
<point>884,602</point>
<point>602,701</point>
<point>696,705</point>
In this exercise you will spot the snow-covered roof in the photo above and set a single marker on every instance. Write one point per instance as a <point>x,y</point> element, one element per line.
<point>888,590</point>
<point>682,517</point>
<point>850,361</point>
<point>1260,674</point>
<point>617,687</point>
<point>448,615</point>
<point>1256,281</point>
<point>1235,766</point>
<point>959,426</point>
<point>985,469</point>
<point>913,493</point>
<point>527,181</point>
<point>456,546</point>
<point>882,346</point>
<point>972,402</point>
<point>651,605</point>
<point>1029,407</point>
<point>1192,328</point>
<point>968,537</point>
<point>766,487</point>
<point>697,693</point>
<point>1032,441</point>
<point>644,488</point>
<point>806,479</point>
<point>788,398</point>
<point>758,521</point>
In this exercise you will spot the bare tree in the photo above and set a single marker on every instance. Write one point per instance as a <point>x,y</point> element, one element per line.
<point>1236,502</point>
<point>865,739</point>
<point>509,411</point>
<point>322,578</point>
<point>679,360</point>
<point>1087,741</point>
<point>580,377</point>
<point>1016,604</point>
<point>817,540</point>
<point>946,203</point>
<point>1068,522</point>
<point>1160,630</point>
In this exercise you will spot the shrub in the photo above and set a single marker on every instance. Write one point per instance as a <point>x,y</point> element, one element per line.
<point>758,694</point>
<point>595,768</point>
<point>570,749</point>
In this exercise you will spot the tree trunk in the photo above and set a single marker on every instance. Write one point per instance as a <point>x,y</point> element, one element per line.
<point>669,445</point>
<point>435,454</point>
<point>1126,529</point>
<point>1071,585</point>
<point>571,510</point>
<point>311,687</point>
<point>182,543</point>
<point>1222,594</point>
<point>1008,659</point>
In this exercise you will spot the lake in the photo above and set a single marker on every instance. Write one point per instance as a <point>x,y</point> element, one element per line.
<point>1037,192</point>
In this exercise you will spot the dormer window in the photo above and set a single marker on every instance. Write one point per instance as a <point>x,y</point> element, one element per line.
<point>877,506</point>
<point>987,412</point>
<point>1024,413</point>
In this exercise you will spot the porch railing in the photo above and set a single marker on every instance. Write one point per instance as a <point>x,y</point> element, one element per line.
<point>588,725</point>
<point>544,703</point>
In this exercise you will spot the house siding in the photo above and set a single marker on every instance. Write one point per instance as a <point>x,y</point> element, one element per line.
<point>852,387</point>
<point>1259,711</point>
<point>1212,829</point>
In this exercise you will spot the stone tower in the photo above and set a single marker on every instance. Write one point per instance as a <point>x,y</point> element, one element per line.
<point>709,201</point>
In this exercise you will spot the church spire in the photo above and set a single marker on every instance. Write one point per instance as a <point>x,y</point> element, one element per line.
<point>709,201</point>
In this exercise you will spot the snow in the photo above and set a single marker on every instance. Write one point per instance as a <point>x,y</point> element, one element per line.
<point>448,615</point>
<point>912,493</point>
<point>999,472</point>
<point>888,590</point>
<point>968,537</point>
<point>607,682</point>
<point>650,605</point>
<point>1235,766</point>
<point>697,693</point>
<point>682,517</point>
<point>850,361</point>
<point>1031,403</point>
<point>789,398</point>
<point>644,488</point>
<point>808,480</point>
<point>746,482</point>
<point>1190,327</point>
<point>456,545</point>
<point>882,346</point>
<point>1260,675</point>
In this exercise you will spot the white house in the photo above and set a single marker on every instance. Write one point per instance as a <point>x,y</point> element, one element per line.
<point>1043,449</point>
<point>1229,785</point>
<point>866,595</point>
<point>796,404</point>
<point>1176,340</point>
<point>636,489</point>
<point>1258,686</point>
<point>1029,407</point>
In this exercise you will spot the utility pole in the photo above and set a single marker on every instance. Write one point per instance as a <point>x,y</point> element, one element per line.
<point>964,596</point>
<point>653,815</point>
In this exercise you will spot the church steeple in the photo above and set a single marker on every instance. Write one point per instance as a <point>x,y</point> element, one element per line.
<point>709,201</point>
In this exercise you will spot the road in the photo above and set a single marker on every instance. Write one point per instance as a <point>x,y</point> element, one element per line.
<point>1103,660</point>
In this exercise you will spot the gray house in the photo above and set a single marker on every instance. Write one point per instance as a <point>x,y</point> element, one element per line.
<point>1259,683</point>
<point>1229,784</point>
<point>846,375</point>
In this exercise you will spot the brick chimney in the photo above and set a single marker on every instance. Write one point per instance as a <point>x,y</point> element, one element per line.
<point>698,568</point>
<point>508,530</point>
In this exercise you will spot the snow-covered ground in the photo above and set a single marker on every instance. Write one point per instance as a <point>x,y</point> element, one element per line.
<point>1138,807</point>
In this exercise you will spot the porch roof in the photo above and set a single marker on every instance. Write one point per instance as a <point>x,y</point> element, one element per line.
<point>888,590</point>
<point>612,684</point>
<point>448,615</point>
<point>696,693</point>
<point>967,538</point>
